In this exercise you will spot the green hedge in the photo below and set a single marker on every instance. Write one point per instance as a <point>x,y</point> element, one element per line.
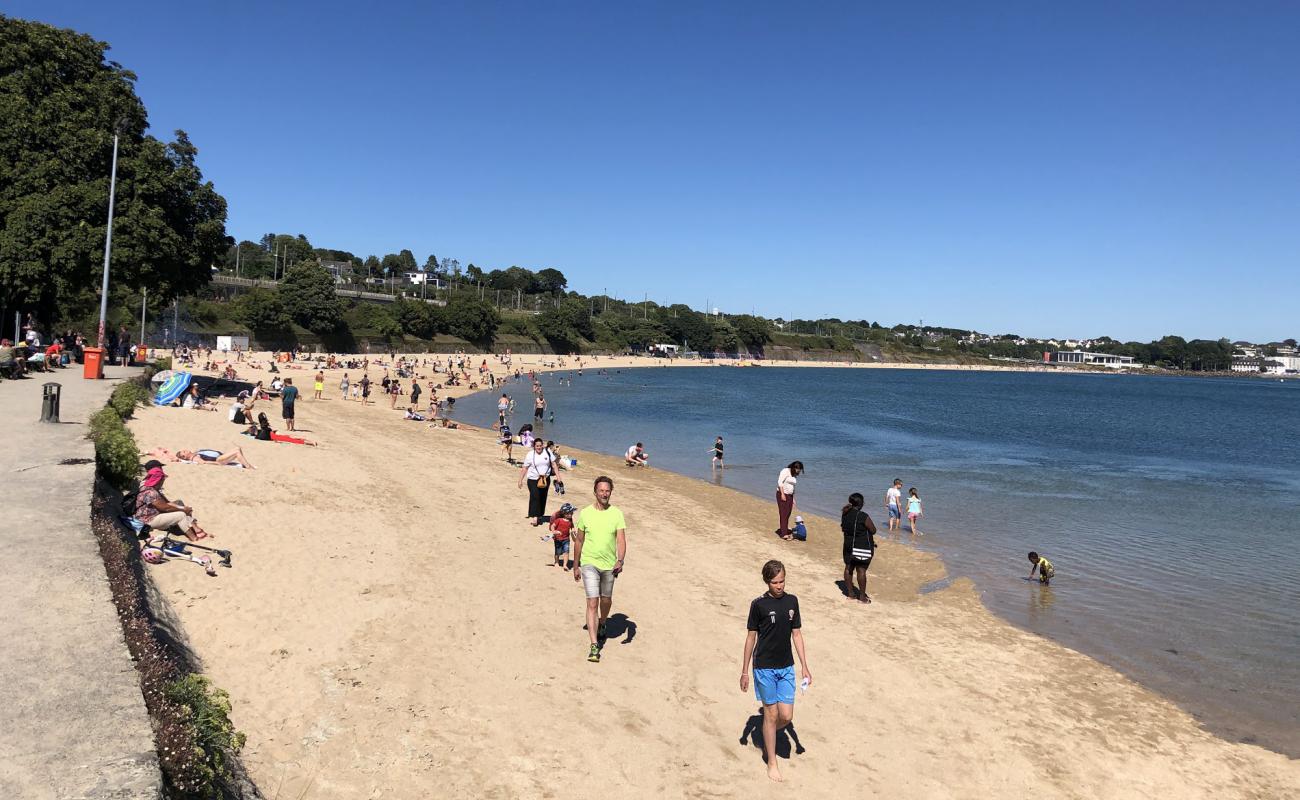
<point>126,397</point>
<point>116,452</point>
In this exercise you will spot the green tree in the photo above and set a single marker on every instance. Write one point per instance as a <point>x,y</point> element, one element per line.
<point>473,274</point>
<point>471,318</point>
<point>565,327</point>
<point>418,318</point>
<point>407,259</point>
<point>60,102</point>
<point>307,292</point>
<point>551,281</point>
<point>392,265</point>
<point>752,331</point>
<point>431,264</point>
<point>372,267</point>
<point>691,328</point>
<point>263,313</point>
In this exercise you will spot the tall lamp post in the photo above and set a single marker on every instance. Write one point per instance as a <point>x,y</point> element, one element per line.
<point>108,242</point>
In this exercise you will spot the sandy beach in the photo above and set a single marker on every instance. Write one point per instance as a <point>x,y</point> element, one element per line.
<point>392,628</point>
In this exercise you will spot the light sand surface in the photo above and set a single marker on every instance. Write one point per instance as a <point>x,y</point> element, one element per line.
<point>391,628</point>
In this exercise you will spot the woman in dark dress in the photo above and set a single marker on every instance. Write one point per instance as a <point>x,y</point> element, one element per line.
<point>859,546</point>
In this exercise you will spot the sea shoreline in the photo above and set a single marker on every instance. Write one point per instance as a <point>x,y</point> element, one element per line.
<point>324,649</point>
<point>1233,727</point>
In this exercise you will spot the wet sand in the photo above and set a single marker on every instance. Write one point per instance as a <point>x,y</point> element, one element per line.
<point>392,629</point>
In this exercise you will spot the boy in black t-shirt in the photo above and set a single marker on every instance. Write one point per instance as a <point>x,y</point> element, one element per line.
<point>774,624</point>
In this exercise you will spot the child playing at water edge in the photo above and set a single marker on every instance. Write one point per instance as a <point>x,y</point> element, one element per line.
<point>507,440</point>
<point>717,453</point>
<point>561,524</point>
<point>914,511</point>
<point>1044,568</point>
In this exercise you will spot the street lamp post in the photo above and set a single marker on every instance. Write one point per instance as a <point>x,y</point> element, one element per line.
<point>108,245</point>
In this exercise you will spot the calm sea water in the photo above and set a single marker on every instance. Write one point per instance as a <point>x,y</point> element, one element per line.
<point>1169,506</point>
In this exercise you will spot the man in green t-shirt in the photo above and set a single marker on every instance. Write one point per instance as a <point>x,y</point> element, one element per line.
<point>600,546</point>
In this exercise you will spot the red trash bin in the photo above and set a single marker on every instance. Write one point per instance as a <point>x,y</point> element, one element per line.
<point>93,369</point>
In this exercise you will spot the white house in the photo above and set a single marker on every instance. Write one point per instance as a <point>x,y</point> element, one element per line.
<point>424,278</point>
<point>1084,357</point>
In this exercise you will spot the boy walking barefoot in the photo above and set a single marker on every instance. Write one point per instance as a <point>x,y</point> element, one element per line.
<point>774,623</point>
<point>894,505</point>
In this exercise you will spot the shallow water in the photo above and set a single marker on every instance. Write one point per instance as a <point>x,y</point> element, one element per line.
<point>1169,506</point>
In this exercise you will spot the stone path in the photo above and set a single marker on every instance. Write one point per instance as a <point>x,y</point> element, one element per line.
<point>72,719</point>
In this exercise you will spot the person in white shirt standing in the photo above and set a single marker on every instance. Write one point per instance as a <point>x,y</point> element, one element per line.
<point>785,484</point>
<point>537,470</point>
<point>894,505</point>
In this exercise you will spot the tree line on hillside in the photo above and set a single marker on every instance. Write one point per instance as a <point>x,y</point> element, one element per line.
<point>269,257</point>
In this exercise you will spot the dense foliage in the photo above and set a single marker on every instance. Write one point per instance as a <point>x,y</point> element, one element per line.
<point>307,292</point>
<point>60,103</point>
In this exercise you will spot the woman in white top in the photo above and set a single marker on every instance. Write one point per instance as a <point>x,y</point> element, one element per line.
<point>538,468</point>
<point>785,483</point>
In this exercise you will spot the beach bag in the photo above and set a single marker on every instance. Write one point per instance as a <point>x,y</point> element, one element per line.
<point>859,553</point>
<point>544,481</point>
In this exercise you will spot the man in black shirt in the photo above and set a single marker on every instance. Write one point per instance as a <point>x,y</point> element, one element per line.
<point>773,625</point>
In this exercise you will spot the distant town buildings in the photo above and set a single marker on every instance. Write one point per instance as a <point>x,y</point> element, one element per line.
<point>340,271</point>
<point>424,278</point>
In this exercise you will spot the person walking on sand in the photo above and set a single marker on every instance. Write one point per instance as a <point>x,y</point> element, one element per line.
<point>894,505</point>
<point>319,388</point>
<point>538,469</point>
<point>773,624</point>
<point>859,545</point>
<point>288,396</point>
<point>599,550</point>
<point>785,483</point>
<point>343,385</point>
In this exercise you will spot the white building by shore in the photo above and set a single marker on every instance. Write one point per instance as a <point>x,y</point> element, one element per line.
<point>1096,359</point>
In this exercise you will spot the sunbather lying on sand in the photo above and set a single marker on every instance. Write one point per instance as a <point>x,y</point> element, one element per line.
<point>205,456</point>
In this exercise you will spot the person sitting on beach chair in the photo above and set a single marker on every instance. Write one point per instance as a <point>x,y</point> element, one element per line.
<point>636,457</point>
<point>1044,568</point>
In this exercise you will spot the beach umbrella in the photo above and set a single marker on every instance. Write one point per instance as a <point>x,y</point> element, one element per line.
<point>161,377</point>
<point>172,388</point>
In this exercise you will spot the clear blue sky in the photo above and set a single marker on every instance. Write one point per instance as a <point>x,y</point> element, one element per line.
<point>1076,169</point>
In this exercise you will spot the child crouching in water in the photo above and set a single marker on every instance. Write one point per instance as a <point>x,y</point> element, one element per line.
<point>1044,568</point>
<point>561,525</point>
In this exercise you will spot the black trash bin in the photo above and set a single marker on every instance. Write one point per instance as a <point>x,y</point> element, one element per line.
<point>50,401</point>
